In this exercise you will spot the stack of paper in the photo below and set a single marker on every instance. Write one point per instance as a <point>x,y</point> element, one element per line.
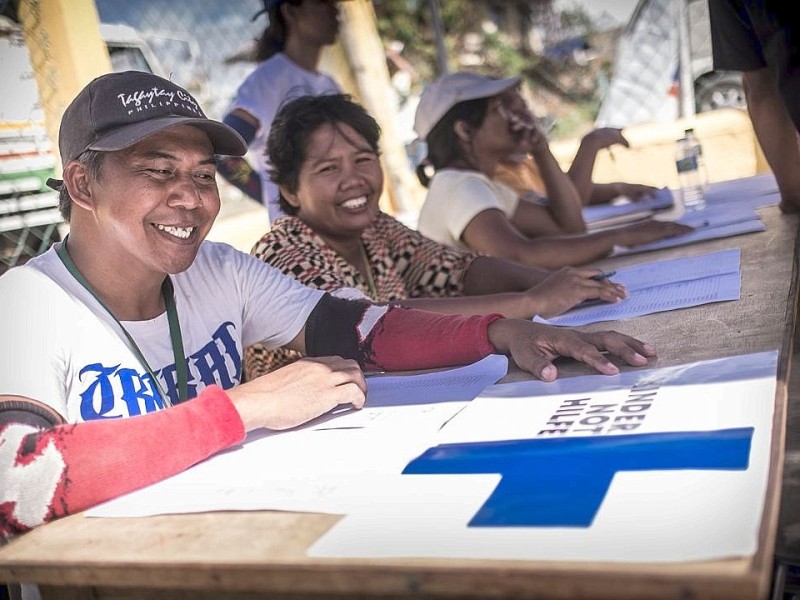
<point>665,285</point>
<point>730,210</point>
<point>601,216</point>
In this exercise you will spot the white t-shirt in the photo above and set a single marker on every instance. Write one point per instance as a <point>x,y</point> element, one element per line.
<point>61,347</point>
<point>262,93</point>
<point>456,197</point>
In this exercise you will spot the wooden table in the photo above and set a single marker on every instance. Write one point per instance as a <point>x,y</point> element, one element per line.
<point>262,554</point>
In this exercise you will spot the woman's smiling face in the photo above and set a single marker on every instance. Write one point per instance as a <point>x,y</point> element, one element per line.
<point>339,184</point>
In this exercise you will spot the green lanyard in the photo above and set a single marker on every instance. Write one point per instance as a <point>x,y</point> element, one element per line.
<point>167,291</point>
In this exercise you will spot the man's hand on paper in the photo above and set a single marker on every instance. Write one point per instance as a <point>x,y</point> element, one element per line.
<point>533,346</point>
<point>299,392</point>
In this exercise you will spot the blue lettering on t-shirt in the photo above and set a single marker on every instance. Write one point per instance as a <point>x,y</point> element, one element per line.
<point>98,399</point>
<point>112,392</point>
<point>139,392</point>
<point>562,482</point>
<point>214,361</point>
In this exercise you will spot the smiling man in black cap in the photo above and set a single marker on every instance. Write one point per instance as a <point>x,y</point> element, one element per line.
<point>134,313</point>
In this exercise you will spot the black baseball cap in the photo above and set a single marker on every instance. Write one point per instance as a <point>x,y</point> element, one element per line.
<point>117,110</point>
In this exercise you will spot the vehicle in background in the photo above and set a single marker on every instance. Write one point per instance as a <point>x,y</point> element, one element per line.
<point>29,218</point>
<point>712,89</point>
<point>645,86</point>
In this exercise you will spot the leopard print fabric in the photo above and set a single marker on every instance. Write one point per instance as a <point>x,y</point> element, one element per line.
<point>405,264</point>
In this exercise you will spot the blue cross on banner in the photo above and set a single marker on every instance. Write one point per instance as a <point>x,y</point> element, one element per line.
<point>562,482</point>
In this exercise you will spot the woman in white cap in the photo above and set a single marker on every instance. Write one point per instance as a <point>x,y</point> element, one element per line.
<point>470,123</point>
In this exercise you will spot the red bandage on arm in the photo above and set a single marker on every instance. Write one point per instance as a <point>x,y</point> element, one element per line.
<point>69,468</point>
<point>406,339</point>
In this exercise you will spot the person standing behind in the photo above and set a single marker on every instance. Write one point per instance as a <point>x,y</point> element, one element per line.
<point>760,38</point>
<point>288,51</point>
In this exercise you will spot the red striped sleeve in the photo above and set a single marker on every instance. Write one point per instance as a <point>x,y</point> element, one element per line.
<point>404,339</point>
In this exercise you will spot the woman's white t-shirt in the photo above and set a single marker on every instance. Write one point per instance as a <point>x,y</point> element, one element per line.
<point>456,197</point>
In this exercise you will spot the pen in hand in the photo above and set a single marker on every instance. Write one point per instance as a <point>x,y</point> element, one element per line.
<point>602,276</point>
<point>592,301</point>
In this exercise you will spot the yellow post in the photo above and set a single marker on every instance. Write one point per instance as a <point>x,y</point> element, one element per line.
<point>66,51</point>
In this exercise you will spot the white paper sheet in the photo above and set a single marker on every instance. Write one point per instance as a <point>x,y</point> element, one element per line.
<point>619,212</point>
<point>745,189</point>
<point>317,466</point>
<point>673,270</point>
<point>411,397</point>
<point>664,285</point>
<point>661,199</point>
<point>646,515</point>
<point>698,235</point>
<point>717,215</point>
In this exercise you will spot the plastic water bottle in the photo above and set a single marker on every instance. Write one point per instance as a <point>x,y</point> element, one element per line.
<point>694,142</point>
<point>689,178</point>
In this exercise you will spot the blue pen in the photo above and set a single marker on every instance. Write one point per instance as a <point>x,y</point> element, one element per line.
<point>593,301</point>
<point>601,276</point>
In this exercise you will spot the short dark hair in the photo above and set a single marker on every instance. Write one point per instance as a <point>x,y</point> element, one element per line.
<point>297,121</point>
<point>93,159</point>
<point>443,144</point>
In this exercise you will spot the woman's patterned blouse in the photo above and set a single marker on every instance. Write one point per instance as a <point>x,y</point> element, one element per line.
<point>405,264</point>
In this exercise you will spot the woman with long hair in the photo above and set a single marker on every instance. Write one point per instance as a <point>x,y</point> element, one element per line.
<point>470,124</point>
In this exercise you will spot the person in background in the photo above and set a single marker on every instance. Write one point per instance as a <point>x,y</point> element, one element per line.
<point>288,53</point>
<point>324,152</point>
<point>761,39</point>
<point>134,314</point>
<point>521,172</point>
<point>470,123</point>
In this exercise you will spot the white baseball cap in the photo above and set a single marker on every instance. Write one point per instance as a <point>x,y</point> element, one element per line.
<point>447,91</point>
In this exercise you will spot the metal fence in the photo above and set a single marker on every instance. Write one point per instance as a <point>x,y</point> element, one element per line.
<point>199,44</point>
<point>29,219</point>
<point>196,42</point>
